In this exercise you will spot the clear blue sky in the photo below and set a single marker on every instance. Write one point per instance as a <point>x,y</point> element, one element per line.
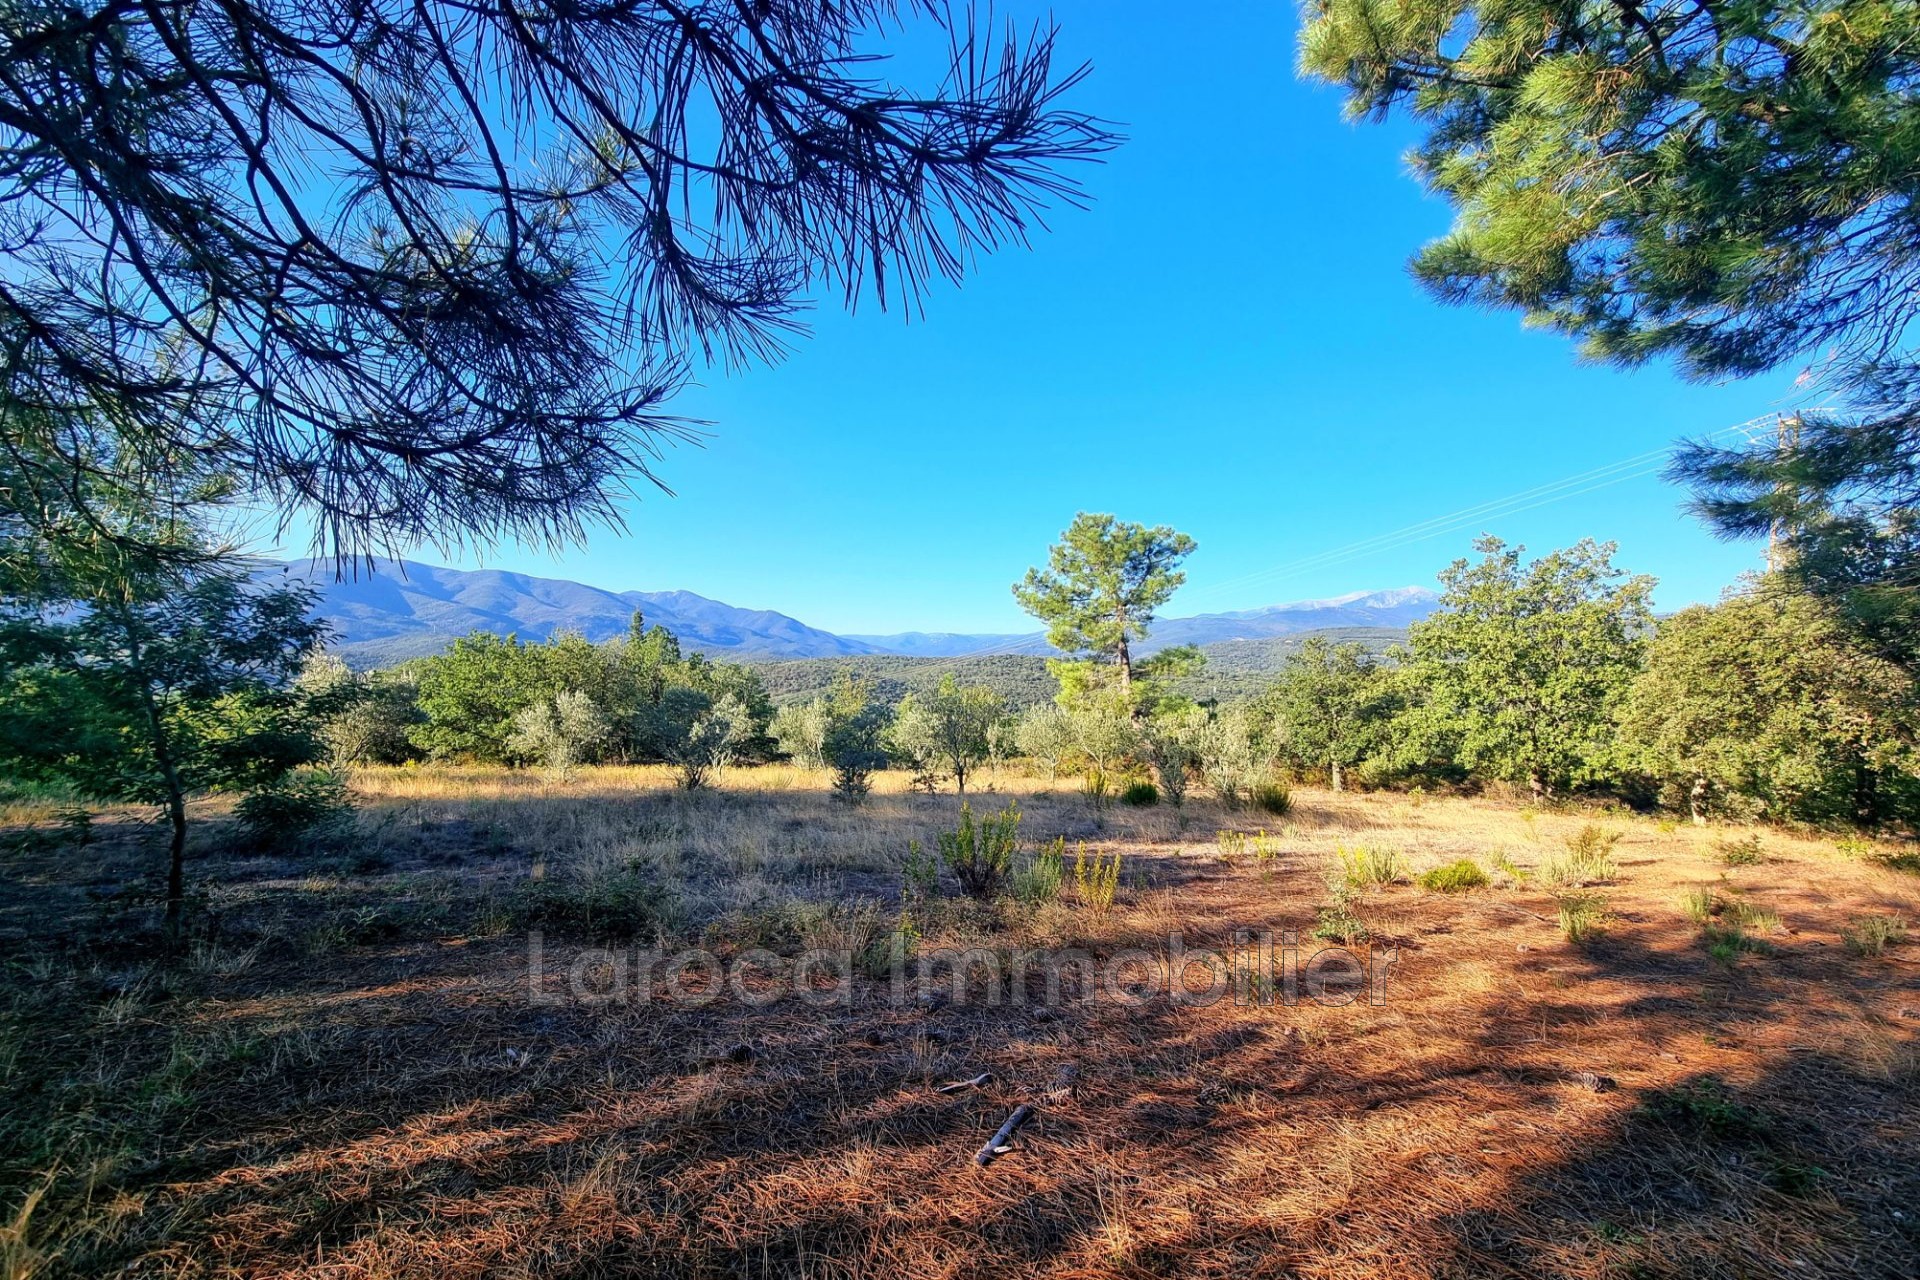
<point>1227,342</point>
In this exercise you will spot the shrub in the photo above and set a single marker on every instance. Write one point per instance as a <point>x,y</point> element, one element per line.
<point>1338,923</point>
<point>1140,795</point>
<point>624,905</point>
<point>1870,935</point>
<point>1097,788</point>
<point>1266,852</point>
<point>1700,903</point>
<point>1233,846</point>
<point>1273,796</point>
<point>854,747</point>
<point>1588,859</point>
<point>294,810</point>
<point>1455,877</point>
<point>1582,916</point>
<point>1042,878</point>
<point>919,876</point>
<point>981,854</point>
<point>1853,847</point>
<point>1743,853</point>
<point>1726,942</point>
<point>1097,879</point>
<point>1366,865</point>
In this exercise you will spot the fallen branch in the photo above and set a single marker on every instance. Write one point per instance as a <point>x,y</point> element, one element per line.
<point>998,1145</point>
<point>961,1086</point>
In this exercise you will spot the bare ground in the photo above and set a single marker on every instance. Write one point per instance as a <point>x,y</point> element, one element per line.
<point>347,1075</point>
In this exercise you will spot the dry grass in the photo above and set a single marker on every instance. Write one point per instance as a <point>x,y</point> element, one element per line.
<point>345,1076</point>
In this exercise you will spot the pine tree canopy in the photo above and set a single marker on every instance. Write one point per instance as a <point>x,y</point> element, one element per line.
<point>1729,183</point>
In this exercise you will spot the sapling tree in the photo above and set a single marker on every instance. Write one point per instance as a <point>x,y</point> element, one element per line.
<point>1104,581</point>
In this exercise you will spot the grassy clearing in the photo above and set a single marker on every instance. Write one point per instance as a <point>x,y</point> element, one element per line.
<point>345,1074</point>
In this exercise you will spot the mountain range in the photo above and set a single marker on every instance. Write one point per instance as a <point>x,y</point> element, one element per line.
<point>406,609</point>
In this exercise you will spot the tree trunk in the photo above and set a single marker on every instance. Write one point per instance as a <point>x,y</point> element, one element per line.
<point>960,777</point>
<point>1339,782</point>
<point>1537,785</point>
<point>1126,667</point>
<point>176,859</point>
<point>1697,802</point>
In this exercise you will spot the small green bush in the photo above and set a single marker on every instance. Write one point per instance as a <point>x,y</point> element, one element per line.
<point>1587,861</point>
<point>1274,797</point>
<point>1366,865</point>
<point>1700,903</point>
<point>623,906</point>
<point>1141,795</point>
<point>1455,877</point>
<point>1871,935</point>
<point>980,854</point>
<point>1728,941</point>
<point>1338,922</point>
<point>1042,878</point>
<point>301,808</point>
<point>1097,879</point>
<point>1742,853</point>
<point>1582,916</point>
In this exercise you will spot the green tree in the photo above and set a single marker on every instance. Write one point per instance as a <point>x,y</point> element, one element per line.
<point>152,684</point>
<point>1724,182</point>
<point>1523,667</point>
<point>963,721</point>
<point>855,743</point>
<point>1104,580</point>
<point>1771,697</point>
<point>1331,706</point>
<point>800,730</point>
<point>360,717</point>
<point>1044,733</point>
<point>560,732</point>
<point>471,693</point>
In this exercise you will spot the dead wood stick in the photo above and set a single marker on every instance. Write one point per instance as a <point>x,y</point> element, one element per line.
<point>997,1145</point>
<point>961,1086</point>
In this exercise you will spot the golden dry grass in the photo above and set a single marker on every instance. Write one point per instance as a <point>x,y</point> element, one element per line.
<point>345,1076</point>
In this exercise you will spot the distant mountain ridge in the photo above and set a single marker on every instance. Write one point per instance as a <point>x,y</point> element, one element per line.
<point>407,609</point>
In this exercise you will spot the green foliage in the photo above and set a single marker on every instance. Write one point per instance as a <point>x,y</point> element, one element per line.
<point>1273,796</point>
<point>1587,861</point>
<point>919,877</point>
<point>1045,734</point>
<point>695,732</point>
<point>800,729</point>
<point>1041,879</point>
<point>980,854</point>
<point>1455,877</point>
<point>1700,903</point>
<point>295,810</point>
<point>1168,741</point>
<point>559,732</point>
<point>1520,671</point>
<point>1096,879</point>
<point>1707,1107</point>
<point>493,699</point>
<point>1871,935</point>
<point>1104,581</point>
<point>1667,182</point>
<point>1233,757</point>
<point>946,733</point>
<point>1725,183</point>
<point>142,678</point>
<point>1582,916</point>
<point>1141,795</point>
<point>1331,706</point>
<point>622,905</point>
<point>1745,852</point>
<point>363,718</point>
<point>1366,865</point>
<point>1769,697</point>
<point>854,744</point>
<point>1339,922</point>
